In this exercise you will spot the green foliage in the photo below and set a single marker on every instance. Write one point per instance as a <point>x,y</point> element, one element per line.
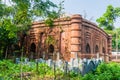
<point>49,22</point>
<point>115,37</point>
<point>89,76</point>
<point>54,15</point>
<point>43,69</point>
<point>17,18</point>
<point>105,71</point>
<point>7,68</point>
<point>107,20</point>
<point>50,40</point>
<point>74,76</point>
<point>11,71</point>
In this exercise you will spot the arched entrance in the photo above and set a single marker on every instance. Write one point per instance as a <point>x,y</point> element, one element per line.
<point>103,52</point>
<point>51,50</point>
<point>96,49</point>
<point>33,51</point>
<point>88,49</point>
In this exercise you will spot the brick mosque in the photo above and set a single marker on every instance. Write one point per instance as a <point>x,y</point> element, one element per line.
<point>71,37</point>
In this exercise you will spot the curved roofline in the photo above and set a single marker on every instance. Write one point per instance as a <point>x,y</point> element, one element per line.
<point>69,18</point>
<point>95,26</point>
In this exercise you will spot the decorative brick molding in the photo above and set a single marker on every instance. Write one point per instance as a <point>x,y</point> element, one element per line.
<point>72,35</point>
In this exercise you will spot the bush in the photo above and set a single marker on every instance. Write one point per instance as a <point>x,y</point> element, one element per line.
<point>105,71</point>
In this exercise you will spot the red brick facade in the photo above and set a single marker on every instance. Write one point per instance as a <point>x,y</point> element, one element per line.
<point>72,36</point>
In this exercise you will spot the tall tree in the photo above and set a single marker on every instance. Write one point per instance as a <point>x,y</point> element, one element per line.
<point>17,17</point>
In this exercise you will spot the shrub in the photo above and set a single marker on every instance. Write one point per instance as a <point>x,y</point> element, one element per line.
<point>105,71</point>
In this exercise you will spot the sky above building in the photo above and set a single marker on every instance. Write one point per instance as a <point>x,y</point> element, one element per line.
<point>89,9</point>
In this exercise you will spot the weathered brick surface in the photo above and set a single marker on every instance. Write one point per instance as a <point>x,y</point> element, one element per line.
<point>72,35</point>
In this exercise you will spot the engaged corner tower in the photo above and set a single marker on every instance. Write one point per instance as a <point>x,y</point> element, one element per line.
<point>76,26</point>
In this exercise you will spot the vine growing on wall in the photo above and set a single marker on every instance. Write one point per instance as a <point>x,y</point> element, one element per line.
<point>49,21</point>
<point>50,40</point>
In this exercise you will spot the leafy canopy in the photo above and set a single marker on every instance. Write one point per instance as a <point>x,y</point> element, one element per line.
<point>18,16</point>
<point>106,21</point>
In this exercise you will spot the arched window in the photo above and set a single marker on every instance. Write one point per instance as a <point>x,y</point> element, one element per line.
<point>51,48</point>
<point>33,47</point>
<point>103,50</point>
<point>96,49</point>
<point>88,48</point>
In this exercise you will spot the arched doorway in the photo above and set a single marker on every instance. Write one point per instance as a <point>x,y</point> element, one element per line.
<point>88,48</point>
<point>51,48</point>
<point>50,51</point>
<point>103,52</point>
<point>96,49</point>
<point>33,51</point>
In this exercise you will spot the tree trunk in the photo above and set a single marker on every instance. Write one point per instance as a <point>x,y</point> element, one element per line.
<point>6,52</point>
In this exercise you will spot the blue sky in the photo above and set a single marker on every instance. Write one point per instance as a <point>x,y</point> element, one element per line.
<point>92,9</point>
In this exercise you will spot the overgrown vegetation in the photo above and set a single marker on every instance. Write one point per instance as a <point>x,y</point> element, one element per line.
<point>11,71</point>
<point>16,17</point>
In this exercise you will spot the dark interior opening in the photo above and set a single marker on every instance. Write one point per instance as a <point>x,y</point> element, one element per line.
<point>88,48</point>
<point>51,48</point>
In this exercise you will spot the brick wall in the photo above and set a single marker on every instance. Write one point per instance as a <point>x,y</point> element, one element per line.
<point>72,36</point>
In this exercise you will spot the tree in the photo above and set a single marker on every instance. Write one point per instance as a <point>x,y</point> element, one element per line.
<point>106,22</point>
<point>17,18</point>
<point>116,39</point>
